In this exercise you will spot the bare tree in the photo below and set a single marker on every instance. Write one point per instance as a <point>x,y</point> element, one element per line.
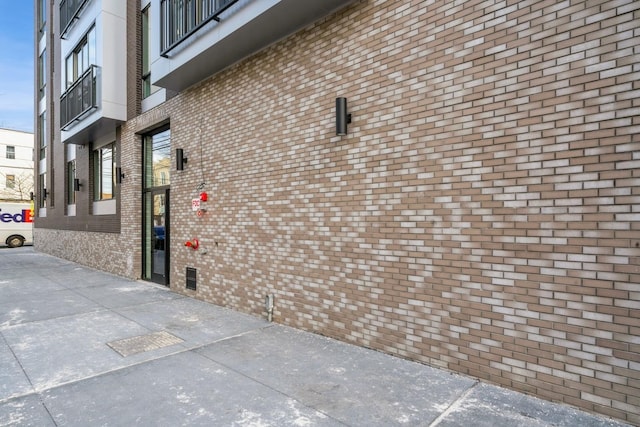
<point>20,189</point>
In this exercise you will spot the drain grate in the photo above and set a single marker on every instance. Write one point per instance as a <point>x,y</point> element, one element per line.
<point>140,344</point>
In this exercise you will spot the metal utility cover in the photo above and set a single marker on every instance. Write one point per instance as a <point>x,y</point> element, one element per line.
<point>140,344</point>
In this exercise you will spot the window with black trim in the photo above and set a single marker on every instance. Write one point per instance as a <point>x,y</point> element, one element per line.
<point>42,135</point>
<point>81,58</point>
<point>104,165</point>
<point>71,176</point>
<point>42,73</point>
<point>79,80</point>
<point>147,87</point>
<point>42,15</point>
<point>42,190</point>
<point>11,152</point>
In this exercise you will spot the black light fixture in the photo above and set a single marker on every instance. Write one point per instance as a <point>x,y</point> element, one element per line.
<point>342,116</point>
<point>76,184</point>
<point>180,159</point>
<point>119,175</point>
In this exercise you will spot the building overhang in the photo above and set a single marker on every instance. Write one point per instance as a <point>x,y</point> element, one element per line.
<point>242,31</point>
<point>96,130</point>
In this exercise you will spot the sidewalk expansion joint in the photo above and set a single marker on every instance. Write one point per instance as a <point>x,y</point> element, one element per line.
<point>454,405</point>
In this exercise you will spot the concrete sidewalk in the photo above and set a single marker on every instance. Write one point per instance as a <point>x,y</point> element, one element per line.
<point>83,348</point>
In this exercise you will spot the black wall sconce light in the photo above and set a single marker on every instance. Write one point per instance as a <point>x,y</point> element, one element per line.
<point>180,159</point>
<point>119,175</point>
<point>342,116</point>
<point>76,184</point>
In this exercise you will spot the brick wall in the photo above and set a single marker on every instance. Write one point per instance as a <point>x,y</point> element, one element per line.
<point>481,215</point>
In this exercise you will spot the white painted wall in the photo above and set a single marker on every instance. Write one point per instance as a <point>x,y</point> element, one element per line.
<point>21,167</point>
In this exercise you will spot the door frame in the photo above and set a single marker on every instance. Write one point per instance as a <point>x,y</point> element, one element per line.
<point>147,252</point>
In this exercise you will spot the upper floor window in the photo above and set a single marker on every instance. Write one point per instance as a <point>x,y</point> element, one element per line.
<point>42,15</point>
<point>42,135</point>
<point>104,166</point>
<point>147,87</point>
<point>11,152</point>
<point>42,73</point>
<point>81,58</point>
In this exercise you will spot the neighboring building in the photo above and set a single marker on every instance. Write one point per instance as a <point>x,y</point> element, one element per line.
<point>16,165</point>
<point>481,213</point>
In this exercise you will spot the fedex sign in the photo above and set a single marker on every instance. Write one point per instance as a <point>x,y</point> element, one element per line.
<point>23,216</point>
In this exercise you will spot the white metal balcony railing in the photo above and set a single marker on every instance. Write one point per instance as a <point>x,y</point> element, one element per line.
<point>79,98</point>
<point>179,19</point>
<point>69,11</point>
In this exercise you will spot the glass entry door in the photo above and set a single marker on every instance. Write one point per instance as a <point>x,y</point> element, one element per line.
<point>156,230</point>
<point>157,233</point>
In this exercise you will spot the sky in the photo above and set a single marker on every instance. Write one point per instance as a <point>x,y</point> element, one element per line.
<point>16,65</point>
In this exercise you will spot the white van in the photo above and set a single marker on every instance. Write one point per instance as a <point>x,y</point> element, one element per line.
<point>16,224</point>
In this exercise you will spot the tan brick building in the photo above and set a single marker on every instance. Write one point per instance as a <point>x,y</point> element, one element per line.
<point>481,214</point>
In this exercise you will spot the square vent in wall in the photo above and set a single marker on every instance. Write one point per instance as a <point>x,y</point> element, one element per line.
<point>191,278</point>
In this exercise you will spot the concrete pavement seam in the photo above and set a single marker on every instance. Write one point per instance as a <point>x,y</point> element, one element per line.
<point>39,392</point>
<point>64,316</point>
<point>267,385</point>
<point>454,405</point>
<point>28,379</point>
<point>183,349</point>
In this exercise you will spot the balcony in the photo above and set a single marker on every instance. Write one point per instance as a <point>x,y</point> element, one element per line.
<point>199,38</point>
<point>182,18</point>
<point>79,99</point>
<point>69,12</point>
<point>95,103</point>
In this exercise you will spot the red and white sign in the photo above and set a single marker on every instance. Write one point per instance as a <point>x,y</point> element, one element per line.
<point>195,204</point>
